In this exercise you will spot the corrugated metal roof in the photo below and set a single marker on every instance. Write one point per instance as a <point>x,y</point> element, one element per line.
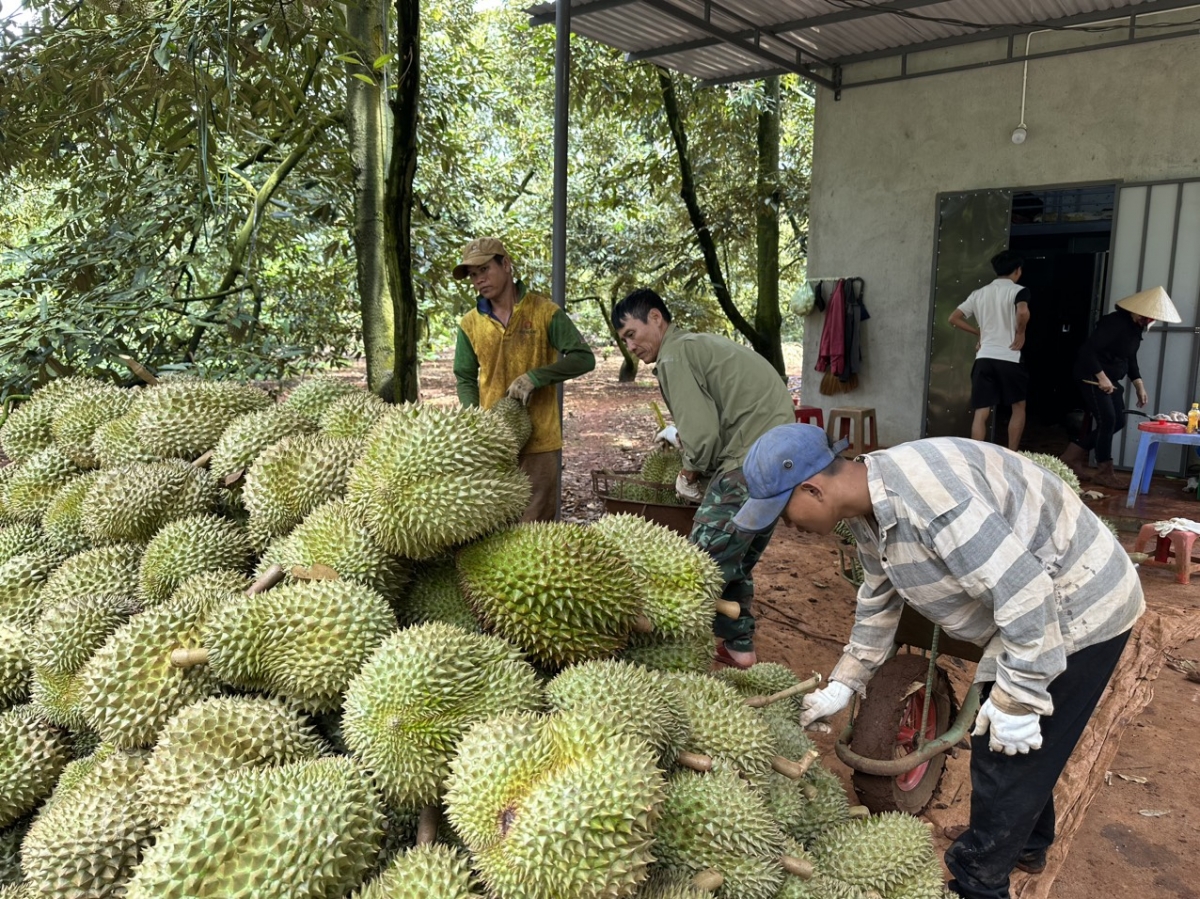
<point>727,40</point>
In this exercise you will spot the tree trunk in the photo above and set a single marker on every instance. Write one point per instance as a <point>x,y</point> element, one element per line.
<point>367,114</point>
<point>402,168</point>
<point>629,362</point>
<point>767,317</point>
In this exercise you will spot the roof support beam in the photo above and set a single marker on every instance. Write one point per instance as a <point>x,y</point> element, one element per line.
<point>577,9</point>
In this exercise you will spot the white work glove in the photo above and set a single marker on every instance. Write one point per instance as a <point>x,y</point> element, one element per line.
<point>825,702</point>
<point>669,436</point>
<point>688,491</point>
<point>522,389</point>
<point>1010,731</point>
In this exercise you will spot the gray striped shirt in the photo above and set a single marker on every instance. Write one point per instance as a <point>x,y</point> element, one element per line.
<point>995,549</point>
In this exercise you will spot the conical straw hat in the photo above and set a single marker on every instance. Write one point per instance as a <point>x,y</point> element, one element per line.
<point>1153,303</point>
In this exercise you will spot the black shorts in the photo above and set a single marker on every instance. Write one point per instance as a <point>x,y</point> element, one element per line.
<point>995,382</point>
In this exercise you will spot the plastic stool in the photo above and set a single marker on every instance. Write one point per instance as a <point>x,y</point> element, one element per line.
<point>811,415</point>
<point>1176,546</point>
<point>851,422</point>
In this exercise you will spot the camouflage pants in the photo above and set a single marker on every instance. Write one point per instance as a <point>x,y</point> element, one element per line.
<point>736,553</point>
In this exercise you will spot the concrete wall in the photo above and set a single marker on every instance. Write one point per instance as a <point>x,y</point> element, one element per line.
<point>883,153</point>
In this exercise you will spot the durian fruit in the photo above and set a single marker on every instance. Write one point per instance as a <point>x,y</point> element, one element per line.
<point>434,594</point>
<point>129,689</point>
<point>116,443</point>
<point>27,430</point>
<point>102,570</point>
<point>718,821</point>
<point>549,809</point>
<point>131,503</point>
<point>662,885</point>
<point>662,466</point>
<point>186,547</point>
<point>207,740</point>
<point>62,641</point>
<point>432,478</point>
<point>250,434</point>
<point>76,420</point>
<point>515,416</point>
<point>303,641</point>
<point>89,836</point>
<point>517,581</point>
<point>14,665</point>
<point>293,477</point>
<point>820,885</point>
<point>1055,466</point>
<point>300,830</point>
<point>876,853</point>
<point>19,538</point>
<point>625,698</point>
<point>10,852</point>
<point>333,537</point>
<point>184,419</point>
<point>62,522</point>
<point>313,396</point>
<point>212,588</point>
<point>15,891</point>
<point>782,717</point>
<point>927,882</point>
<point>353,415</point>
<point>424,872</point>
<point>721,725</point>
<point>32,756</point>
<point>679,584</point>
<point>410,704</point>
<point>31,486</point>
<point>808,807</point>
<point>21,580</point>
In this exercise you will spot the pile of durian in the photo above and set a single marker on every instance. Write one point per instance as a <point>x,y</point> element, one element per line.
<point>298,648</point>
<point>655,481</point>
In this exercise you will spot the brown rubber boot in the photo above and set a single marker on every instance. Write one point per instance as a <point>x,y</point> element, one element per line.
<point>1104,476</point>
<point>1075,457</point>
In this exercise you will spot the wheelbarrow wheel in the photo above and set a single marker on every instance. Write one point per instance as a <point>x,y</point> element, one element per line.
<point>887,727</point>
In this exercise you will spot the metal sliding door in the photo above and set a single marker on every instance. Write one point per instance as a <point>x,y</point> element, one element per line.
<point>1157,243</point>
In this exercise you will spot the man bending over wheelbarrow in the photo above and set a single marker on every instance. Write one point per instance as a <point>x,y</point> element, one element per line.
<point>997,551</point>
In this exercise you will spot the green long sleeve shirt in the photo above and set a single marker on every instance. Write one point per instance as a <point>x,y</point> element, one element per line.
<point>722,396</point>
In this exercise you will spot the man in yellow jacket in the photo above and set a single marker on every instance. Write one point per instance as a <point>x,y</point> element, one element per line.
<point>510,345</point>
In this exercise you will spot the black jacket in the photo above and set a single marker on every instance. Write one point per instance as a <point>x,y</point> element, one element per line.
<point>1111,348</point>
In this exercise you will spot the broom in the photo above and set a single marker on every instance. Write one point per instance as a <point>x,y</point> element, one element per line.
<point>832,383</point>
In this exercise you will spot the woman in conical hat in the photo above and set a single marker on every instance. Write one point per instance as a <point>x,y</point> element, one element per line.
<point>1108,355</point>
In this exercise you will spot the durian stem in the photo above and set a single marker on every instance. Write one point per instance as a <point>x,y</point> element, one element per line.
<point>427,825</point>
<point>807,760</point>
<point>694,761</point>
<point>809,791</point>
<point>138,369</point>
<point>757,702</point>
<point>787,768</point>
<point>728,608</point>
<point>315,572</point>
<point>269,579</point>
<point>859,811</point>
<point>643,625</point>
<point>234,478</point>
<point>708,881</point>
<point>800,867</point>
<point>203,461</point>
<point>188,658</point>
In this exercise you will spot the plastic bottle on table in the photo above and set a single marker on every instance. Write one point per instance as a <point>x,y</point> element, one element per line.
<point>1194,419</point>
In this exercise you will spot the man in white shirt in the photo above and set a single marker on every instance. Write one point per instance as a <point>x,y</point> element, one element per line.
<point>997,378</point>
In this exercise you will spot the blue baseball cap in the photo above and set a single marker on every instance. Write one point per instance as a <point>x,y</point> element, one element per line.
<point>781,459</point>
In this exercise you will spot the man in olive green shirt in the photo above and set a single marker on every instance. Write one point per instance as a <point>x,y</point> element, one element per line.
<point>723,397</point>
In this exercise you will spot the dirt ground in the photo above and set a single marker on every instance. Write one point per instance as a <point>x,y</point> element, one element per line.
<point>1128,802</point>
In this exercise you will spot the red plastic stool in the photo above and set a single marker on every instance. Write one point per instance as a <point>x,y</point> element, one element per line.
<point>1172,551</point>
<point>811,415</point>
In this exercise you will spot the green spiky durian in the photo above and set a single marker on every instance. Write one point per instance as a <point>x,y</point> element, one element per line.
<point>662,465</point>
<point>76,420</point>
<point>875,853</point>
<point>663,885</point>
<point>432,478</point>
<point>87,839</point>
<point>19,538</point>
<point>353,415</point>
<point>129,688</point>
<point>1055,466</point>
<point>32,485</point>
<point>409,705</point>
<point>625,698</point>
<point>131,503</point>
<point>515,416</point>
<point>206,741</point>
<point>549,809</point>
<point>303,641</point>
<point>718,821</point>
<point>250,434</point>
<point>514,579</point>
<point>720,724</point>
<point>14,665</point>
<point>293,477</point>
<point>424,872</point>
<point>782,716</point>
<point>435,595</point>
<point>21,582</point>
<point>62,642</point>
<point>62,522</point>
<point>694,655</point>
<point>810,806</point>
<point>26,431</point>
<point>102,570</point>
<point>186,547</point>
<point>116,443</point>
<point>212,588</point>
<point>32,755</point>
<point>313,396</point>
<point>301,830</point>
<point>926,882</point>
<point>333,536</point>
<point>184,419</point>
<point>10,853</point>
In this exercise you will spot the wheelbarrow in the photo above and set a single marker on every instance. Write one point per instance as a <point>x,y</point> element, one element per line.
<point>899,734</point>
